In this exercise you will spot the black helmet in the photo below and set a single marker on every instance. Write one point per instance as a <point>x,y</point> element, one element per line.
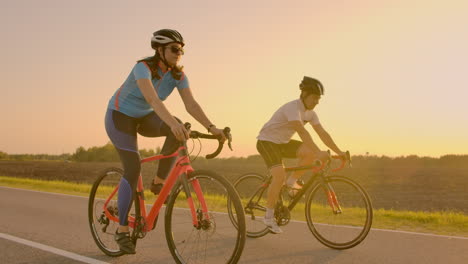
<point>312,86</point>
<point>166,36</point>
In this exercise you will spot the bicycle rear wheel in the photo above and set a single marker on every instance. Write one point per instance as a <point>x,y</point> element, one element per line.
<point>103,213</point>
<point>346,227</point>
<point>253,197</point>
<point>215,239</point>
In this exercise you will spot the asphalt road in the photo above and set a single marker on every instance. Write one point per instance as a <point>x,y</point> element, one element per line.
<point>37,227</point>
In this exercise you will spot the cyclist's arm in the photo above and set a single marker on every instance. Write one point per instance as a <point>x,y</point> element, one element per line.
<point>304,135</point>
<point>327,139</point>
<point>148,91</point>
<point>193,108</point>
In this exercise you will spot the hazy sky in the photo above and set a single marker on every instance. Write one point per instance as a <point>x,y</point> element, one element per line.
<point>394,71</point>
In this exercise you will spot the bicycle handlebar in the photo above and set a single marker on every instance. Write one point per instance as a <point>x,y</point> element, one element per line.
<point>346,158</point>
<point>227,132</point>
<point>321,165</point>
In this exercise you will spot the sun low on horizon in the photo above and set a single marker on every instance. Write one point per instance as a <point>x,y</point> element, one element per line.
<point>393,71</point>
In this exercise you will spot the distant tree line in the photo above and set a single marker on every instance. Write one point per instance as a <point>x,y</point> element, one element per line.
<point>453,161</point>
<point>97,154</point>
<point>6,156</point>
<point>108,153</point>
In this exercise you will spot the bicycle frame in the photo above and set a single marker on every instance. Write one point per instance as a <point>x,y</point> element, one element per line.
<point>180,171</point>
<point>319,172</point>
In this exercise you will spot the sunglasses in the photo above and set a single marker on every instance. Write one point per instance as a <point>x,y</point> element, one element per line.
<point>176,50</point>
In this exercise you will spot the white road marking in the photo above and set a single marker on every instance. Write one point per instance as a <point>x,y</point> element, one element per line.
<point>416,233</point>
<point>50,249</point>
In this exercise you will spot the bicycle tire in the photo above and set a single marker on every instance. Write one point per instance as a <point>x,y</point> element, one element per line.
<point>98,222</point>
<point>249,186</point>
<point>339,230</point>
<point>180,230</point>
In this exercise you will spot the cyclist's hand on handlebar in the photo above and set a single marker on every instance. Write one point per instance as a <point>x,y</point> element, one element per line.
<point>218,132</point>
<point>180,132</point>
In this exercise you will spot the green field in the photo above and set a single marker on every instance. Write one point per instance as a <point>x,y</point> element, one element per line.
<point>442,223</point>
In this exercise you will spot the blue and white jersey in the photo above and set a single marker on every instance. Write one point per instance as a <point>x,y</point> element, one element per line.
<point>129,100</point>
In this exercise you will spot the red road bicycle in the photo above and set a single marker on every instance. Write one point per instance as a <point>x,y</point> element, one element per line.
<point>197,226</point>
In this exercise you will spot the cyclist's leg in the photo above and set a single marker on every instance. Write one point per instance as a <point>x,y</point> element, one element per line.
<point>272,156</point>
<point>271,153</point>
<point>127,187</point>
<point>305,156</point>
<point>131,165</point>
<point>152,126</point>
<point>122,132</point>
<point>170,144</point>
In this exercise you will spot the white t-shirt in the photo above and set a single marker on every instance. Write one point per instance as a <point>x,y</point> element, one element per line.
<point>278,130</point>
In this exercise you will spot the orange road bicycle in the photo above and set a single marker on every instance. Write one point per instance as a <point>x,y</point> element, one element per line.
<point>338,210</point>
<point>197,226</point>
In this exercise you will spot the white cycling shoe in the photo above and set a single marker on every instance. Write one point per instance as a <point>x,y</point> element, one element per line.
<point>272,225</point>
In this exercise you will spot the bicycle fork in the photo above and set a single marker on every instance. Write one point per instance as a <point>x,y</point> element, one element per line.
<point>331,198</point>
<point>198,217</point>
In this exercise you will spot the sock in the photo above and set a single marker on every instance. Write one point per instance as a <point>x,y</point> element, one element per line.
<point>270,213</point>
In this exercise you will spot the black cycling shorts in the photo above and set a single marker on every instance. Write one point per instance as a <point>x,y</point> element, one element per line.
<point>273,153</point>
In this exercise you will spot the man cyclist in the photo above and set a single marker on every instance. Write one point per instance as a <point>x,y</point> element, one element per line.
<point>274,142</point>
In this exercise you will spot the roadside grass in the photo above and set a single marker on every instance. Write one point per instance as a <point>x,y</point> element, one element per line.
<point>46,186</point>
<point>442,223</point>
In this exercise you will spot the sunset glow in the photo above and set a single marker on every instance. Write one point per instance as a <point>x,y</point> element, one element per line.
<point>394,71</point>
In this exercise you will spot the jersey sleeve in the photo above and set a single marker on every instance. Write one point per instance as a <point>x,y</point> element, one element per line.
<point>314,120</point>
<point>141,71</point>
<point>292,113</point>
<point>183,82</point>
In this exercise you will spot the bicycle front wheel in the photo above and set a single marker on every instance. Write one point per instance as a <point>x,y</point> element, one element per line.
<point>103,212</point>
<point>342,224</point>
<point>213,238</point>
<point>253,197</point>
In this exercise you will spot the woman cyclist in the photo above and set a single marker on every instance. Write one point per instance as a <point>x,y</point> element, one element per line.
<point>137,107</point>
